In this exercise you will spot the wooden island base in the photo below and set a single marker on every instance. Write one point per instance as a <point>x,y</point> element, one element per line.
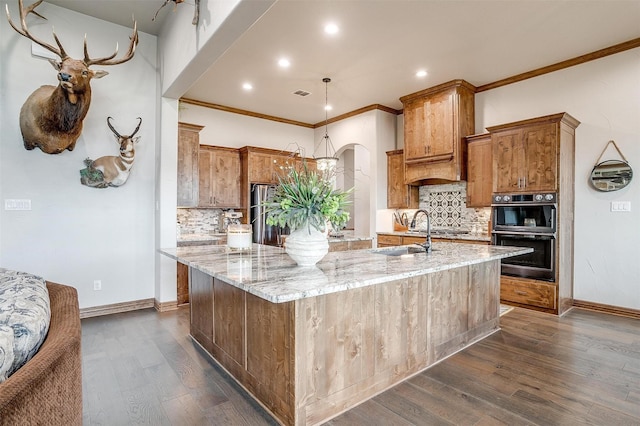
<point>310,359</point>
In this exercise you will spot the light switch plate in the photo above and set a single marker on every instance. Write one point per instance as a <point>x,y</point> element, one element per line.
<point>15,204</point>
<point>621,206</point>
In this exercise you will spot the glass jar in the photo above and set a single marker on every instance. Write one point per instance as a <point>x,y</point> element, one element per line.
<point>239,237</point>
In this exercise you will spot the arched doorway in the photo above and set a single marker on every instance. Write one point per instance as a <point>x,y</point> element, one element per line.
<point>354,172</point>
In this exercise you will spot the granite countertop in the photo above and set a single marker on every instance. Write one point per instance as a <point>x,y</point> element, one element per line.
<point>269,273</point>
<point>452,235</point>
<point>349,236</point>
<point>188,239</point>
<point>200,239</point>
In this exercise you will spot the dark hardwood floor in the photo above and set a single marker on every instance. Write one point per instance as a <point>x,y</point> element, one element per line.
<point>583,369</point>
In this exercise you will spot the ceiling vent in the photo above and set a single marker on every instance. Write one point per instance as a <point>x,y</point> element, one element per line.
<point>302,93</point>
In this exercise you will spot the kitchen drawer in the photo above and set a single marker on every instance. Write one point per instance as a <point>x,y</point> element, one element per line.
<point>360,245</point>
<point>350,245</point>
<point>339,246</point>
<point>413,240</point>
<point>528,292</point>
<point>389,240</point>
<point>458,240</point>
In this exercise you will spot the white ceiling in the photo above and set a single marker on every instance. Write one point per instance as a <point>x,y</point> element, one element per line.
<point>382,43</point>
<point>122,11</point>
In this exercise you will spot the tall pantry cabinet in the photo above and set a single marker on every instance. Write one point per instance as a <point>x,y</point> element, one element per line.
<point>534,156</point>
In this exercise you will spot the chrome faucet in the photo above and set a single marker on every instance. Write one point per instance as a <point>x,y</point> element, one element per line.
<point>427,244</point>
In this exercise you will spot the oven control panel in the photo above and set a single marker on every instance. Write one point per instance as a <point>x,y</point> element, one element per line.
<point>546,198</point>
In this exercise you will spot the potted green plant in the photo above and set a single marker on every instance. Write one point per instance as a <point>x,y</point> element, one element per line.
<point>306,202</point>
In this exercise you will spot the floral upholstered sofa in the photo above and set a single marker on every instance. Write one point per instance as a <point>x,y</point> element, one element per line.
<point>40,353</point>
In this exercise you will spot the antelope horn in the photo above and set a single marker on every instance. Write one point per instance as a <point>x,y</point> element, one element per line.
<point>137,128</point>
<point>115,132</point>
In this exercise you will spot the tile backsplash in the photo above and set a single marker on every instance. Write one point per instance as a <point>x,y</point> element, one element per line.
<point>447,209</point>
<point>200,221</point>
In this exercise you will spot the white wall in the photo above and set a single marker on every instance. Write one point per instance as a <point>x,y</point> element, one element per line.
<point>75,234</point>
<point>374,131</point>
<point>604,95</point>
<point>223,128</point>
<point>188,51</point>
<point>185,53</point>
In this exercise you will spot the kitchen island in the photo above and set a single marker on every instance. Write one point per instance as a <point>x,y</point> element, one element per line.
<point>310,343</point>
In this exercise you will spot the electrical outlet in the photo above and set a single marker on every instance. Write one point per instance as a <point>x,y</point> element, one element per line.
<point>97,285</point>
<point>621,206</point>
<point>14,204</point>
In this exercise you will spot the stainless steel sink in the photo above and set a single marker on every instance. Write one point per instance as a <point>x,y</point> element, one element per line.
<point>399,251</point>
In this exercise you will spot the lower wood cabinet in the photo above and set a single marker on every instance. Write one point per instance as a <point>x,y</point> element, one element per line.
<point>182,280</point>
<point>201,307</point>
<point>349,245</point>
<point>413,240</point>
<point>309,359</point>
<point>229,320</point>
<point>528,293</point>
<point>249,336</point>
<point>457,240</point>
<point>387,240</point>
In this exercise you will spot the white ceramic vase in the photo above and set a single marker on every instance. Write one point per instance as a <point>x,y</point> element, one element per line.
<point>306,245</point>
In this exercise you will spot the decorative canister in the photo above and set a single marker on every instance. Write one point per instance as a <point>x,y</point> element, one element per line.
<point>239,237</point>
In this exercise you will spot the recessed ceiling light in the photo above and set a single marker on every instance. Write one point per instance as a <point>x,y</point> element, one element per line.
<point>284,63</point>
<point>421,73</point>
<point>331,28</point>
<point>247,86</point>
<point>328,107</point>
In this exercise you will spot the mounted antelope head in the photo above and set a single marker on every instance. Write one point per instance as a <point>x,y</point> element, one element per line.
<point>111,170</point>
<point>51,118</point>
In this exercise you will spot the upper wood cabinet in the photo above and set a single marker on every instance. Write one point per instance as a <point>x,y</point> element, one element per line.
<point>436,121</point>
<point>219,177</point>
<point>264,166</point>
<point>188,146</point>
<point>526,153</point>
<point>479,170</point>
<point>399,194</point>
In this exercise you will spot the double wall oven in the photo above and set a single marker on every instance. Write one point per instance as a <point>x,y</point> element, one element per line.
<point>527,220</point>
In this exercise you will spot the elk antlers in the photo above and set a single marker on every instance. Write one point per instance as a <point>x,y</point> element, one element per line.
<point>108,60</point>
<point>196,13</point>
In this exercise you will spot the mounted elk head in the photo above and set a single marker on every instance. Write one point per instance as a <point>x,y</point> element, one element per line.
<point>51,118</point>
<point>111,170</point>
<point>196,14</point>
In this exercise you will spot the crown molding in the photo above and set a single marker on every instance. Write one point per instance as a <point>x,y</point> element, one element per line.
<point>598,54</point>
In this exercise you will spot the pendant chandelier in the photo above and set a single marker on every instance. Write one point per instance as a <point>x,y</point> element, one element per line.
<point>328,163</point>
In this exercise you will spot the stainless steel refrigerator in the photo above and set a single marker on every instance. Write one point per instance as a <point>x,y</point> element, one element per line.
<point>263,233</point>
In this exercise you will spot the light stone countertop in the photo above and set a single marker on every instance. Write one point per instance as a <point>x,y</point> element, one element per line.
<point>269,273</point>
<point>349,236</point>
<point>192,239</point>
<point>200,239</point>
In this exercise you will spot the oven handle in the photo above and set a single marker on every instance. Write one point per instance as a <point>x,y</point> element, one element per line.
<point>526,234</point>
<point>555,205</point>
